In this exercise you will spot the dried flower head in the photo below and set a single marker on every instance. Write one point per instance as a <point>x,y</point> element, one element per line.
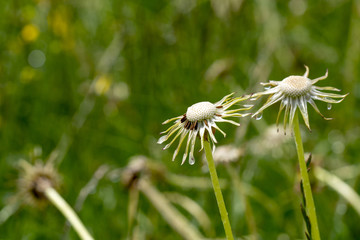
<point>271,143</point>
<point>226,154</point>
<point>137,165</point>
<point>33,181</point>
<point>295,92</point>
<point>200,120</point>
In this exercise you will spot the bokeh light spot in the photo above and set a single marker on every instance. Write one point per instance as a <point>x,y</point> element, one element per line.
<point>36,58</point>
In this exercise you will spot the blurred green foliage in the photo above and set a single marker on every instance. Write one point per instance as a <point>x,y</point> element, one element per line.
<point>95,79</point>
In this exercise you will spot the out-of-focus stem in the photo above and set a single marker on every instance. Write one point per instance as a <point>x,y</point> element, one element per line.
<point>192,207</point>
<point>240,188</point>
<point>340,186</point>
<point>68,213</point>
<point>175,219</point>
<point>132,209</point>
<point>8,211</point>
<point>188,182</point>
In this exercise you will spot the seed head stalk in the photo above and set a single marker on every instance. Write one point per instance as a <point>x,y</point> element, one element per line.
<point>68,213</point>
<point>310,206</point>
<point>217,190</point>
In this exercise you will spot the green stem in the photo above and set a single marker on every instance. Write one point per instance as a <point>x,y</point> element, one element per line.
<point>310,206</point>
<point>217,190</point>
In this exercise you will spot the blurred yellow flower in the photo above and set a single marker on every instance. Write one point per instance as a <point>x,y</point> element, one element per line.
<point>30,33</point>
<point>58,22</point>
<point>27,74</point>
<point>102,85</point>
<point>15,44</point>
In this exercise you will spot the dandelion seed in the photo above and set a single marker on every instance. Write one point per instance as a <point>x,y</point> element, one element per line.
<point>200,120</point>
<point>295,92</point>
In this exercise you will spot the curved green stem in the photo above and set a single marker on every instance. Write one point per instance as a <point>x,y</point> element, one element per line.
<point>217,190</point>
<point>310,206</point>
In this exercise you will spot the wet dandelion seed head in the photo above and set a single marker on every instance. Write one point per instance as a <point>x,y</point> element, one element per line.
<point>295,92</point>
<point>295,86</point>
<point>200,120</point>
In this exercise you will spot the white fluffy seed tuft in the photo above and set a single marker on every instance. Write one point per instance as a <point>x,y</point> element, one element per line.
<point>295,86</point>
<point>200,111</point>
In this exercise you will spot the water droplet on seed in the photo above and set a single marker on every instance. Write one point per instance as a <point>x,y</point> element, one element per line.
<point>329,106</point>
<point>191,161</point>
<point>258,116</point>
<point>162,139</point>
<point>267,88</point>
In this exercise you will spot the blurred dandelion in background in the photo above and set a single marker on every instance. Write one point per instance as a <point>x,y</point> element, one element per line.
<point>271,144</point>
<point>226,154</point>
<point>37,186</point>
<point>33,181</point>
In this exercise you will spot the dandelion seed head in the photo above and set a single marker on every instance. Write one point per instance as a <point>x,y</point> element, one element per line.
<point>271,143</point>
<point>33,181</point>
<point>200,120</point>
<point>295,92</point>
<point>200,111</point>
<point>227,153</point>
<point>137,165</point>
<point>295,86</point>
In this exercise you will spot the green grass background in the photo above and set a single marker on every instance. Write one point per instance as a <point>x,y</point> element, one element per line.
<point>156,66</point>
